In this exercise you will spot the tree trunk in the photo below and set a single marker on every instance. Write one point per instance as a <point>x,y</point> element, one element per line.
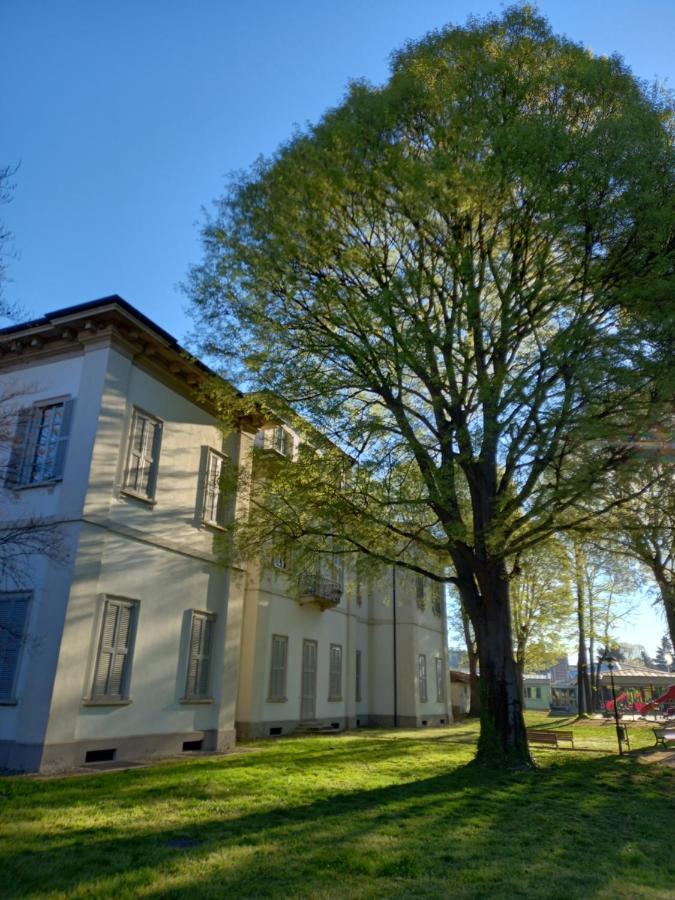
<point>520,669</point>
<point>474,682</point>
<point>503,738</point>
<point>667,592</point>
<point>594,674</point>
<point>583,685</point>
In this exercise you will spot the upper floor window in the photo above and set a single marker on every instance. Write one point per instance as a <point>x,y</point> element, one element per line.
<point>40,442</point>
<point>140,477</point>
<point>419,591</point>
<point>13,615</point>
<point>437,594</point>
<point>276,438</point>
<point>215,502</point>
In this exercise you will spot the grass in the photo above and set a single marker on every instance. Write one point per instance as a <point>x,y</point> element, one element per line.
<point>374,814</point>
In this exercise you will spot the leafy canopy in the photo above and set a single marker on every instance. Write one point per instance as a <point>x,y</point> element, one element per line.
<point>447,276</point>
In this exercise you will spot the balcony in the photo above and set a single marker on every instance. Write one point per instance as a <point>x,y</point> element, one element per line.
<point>275,440</point>
<point>322,591</point>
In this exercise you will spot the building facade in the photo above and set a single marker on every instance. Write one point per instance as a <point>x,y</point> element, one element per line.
<point>134,640</point>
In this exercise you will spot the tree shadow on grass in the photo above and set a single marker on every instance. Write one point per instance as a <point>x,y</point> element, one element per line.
<point>570,830</point>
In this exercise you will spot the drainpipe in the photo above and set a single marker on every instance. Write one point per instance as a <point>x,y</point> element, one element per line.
<point>393,601</point>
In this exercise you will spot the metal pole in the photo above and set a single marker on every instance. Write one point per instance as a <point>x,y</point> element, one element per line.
<point>616,710</point>
<point>393,600</point>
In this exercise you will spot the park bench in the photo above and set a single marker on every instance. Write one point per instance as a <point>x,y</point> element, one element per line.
<point>550,737</point>
<point>664,735</point>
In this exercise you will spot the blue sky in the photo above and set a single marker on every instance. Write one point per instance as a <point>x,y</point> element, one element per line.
<point>126,118</point>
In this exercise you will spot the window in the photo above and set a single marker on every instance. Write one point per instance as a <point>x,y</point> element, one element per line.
<point>113,660</point>
<point>280,560</point>
<point>145,436</point>
<point>537,693</point>
<point>419,591</point>
<point>40,442</point>
<point>214,511</point>
<point>335,673</point>
<point>278,667</point>
<point>199,657</point>
<point>440,680</point>
<point>422,669</point>
<point>528,692</point>
<point>358,676</point>
<point>13,614</point>
<point>276,438</point>
<point>437,599</point>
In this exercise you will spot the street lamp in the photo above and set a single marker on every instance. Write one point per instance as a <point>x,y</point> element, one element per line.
<point>620,729</point>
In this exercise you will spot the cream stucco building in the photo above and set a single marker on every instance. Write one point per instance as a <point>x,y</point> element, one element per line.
<point>135,640</point>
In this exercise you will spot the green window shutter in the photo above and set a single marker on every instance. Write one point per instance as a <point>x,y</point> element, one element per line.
<point>199,656</point>
<point>358,675</point>
<point>335,673</point>
<point>207,632</point>
<point>278,664</point>
<point>113,655</point>
<point>193,660</point>
<point>63,438</point>
<point>13,614</point>
<point>440,681</point>
<point>17,458</point>
<point>422,663</point>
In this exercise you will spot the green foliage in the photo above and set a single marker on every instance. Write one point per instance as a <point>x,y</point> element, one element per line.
<point>449,278</point>
<point>542,606</point>
<point>437,276</point>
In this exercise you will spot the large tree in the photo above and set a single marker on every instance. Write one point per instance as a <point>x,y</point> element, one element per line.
<point>437,277</point>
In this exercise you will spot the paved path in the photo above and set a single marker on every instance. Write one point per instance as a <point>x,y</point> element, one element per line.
<point>664,757</point>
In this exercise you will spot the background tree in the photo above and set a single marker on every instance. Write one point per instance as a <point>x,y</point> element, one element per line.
<point>542,606</point>
<point>644,530</point>
<point>437,276</point>
<point>664,654</point>
<point>460,624</point>
<point>7,173</point>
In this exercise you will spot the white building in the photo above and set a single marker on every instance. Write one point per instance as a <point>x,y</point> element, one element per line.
<point>138,641</point>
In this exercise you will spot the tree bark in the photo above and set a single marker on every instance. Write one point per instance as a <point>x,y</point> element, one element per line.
<point>503,737</point>
<point>520,669</point>
<point>667,592</point>
<point>474,682</point>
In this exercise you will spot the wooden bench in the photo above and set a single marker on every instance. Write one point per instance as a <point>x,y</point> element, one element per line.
<point>664,735</point>
<point>550,737</point>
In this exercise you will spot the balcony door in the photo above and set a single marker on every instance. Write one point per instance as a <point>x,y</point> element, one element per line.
<point>308,699</point>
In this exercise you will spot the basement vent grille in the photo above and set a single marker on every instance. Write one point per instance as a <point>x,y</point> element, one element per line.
<point>276,730</point>
<point>192,745</point>
<point>94,756</point>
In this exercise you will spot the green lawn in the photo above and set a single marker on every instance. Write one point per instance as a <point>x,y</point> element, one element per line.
<point>373,814</point>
